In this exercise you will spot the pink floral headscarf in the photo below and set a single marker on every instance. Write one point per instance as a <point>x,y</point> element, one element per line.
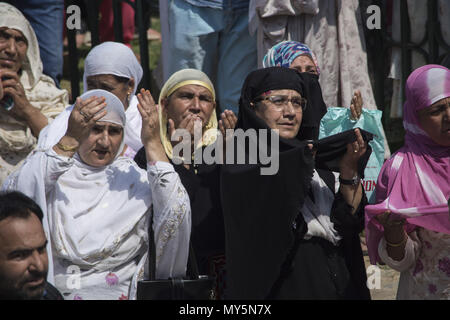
<point>415,182</point>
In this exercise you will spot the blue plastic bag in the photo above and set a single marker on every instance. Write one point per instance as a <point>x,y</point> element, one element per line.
<point>337,120</point>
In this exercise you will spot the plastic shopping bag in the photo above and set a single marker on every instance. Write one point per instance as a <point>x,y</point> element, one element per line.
<point>337,120</point>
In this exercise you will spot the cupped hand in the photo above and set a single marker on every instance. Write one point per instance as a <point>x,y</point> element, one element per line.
<point>227,121</point>
<point>13,88</point>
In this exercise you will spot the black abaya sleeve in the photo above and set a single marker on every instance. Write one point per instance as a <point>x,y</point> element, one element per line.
<point>349,226</point>
<point>346,223</point>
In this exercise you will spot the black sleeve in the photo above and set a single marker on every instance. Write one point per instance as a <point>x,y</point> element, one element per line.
<point>141,159</point>
<point>51,293</point>
<point>346,223</point>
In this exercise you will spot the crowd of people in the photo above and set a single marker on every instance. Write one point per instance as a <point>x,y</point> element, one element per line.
<point>87,187</point>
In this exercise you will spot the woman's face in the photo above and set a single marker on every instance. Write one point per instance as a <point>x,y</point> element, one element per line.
<point>189,99</point>
<point>286,117</point>
<point>304,63</point>
<point>101,146</point>
<point>435,121</point>
<point>13,49</point>
<point>111,83</point>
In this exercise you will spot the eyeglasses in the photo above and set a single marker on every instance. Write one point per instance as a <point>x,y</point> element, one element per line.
<point>280,102</point>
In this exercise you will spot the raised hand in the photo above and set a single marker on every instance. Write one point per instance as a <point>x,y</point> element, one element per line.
<point>149,113</point>
<point>356,105</point>
<point>227,120</point>
<point>150,134</point>
<point>84,115</point>
<point>355,150</point>
<point>348,168</point>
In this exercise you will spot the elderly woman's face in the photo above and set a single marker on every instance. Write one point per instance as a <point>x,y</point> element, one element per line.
<point>121,87</point>
<point>189,99</point>
<point>435,121</point>
<point>13,49</point>
<point>101,146</point>
<point>304,63</point>
<point>279,112</point>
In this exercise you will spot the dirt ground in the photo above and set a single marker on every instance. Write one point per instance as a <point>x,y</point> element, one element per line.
<point>388,284</point>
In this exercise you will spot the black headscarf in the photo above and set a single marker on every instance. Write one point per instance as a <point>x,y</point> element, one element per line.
<point>277,79</point>
<point>259,209</point>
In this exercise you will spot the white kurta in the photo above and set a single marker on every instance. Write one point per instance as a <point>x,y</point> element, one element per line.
<point>96,221</point>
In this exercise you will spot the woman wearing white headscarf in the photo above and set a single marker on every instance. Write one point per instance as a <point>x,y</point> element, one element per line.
<point>113,67</point>
<point>36,98</point>
<point>98,202</point>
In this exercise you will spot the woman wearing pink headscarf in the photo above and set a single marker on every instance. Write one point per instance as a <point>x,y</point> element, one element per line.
<point>409,227</point>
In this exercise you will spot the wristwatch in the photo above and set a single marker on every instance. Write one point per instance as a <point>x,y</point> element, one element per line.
<point>353,182</point>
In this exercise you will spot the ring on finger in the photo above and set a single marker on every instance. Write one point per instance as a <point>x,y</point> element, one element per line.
<point>84,115</point>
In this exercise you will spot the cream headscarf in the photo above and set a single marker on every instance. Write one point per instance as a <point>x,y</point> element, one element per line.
<point>40,89</point>
<point>177,80</point>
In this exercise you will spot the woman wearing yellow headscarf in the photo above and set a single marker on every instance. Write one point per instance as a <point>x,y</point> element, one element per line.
<point>186,98</point>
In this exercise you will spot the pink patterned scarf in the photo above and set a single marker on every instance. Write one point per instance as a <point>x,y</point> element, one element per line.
<point>415,182</point>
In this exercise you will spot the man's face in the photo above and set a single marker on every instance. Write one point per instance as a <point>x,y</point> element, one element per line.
<point>13,49</point>
<point>23,258</point>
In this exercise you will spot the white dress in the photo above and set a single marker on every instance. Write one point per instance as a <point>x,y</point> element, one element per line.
<point>96,220</point>
<point>425,268</point>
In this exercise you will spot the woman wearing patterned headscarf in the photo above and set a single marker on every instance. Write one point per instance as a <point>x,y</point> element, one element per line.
<point>409,227</point>
<point>296,55</point>
<point>36,98</point>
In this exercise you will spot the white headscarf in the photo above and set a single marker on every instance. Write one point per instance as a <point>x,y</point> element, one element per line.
<point>112,58</point>
<point>115,112</point>
<point>107,58</point>
<point>117,59</point>
<point>40,89</point>
<point>95,208</point>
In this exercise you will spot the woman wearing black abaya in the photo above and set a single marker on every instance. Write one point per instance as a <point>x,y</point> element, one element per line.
<point>294,234</point>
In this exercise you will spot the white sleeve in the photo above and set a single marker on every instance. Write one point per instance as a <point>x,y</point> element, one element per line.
<point>39,171</point>
<point>35,178</point>
<point>171,220</point>
<point>412,249</point>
